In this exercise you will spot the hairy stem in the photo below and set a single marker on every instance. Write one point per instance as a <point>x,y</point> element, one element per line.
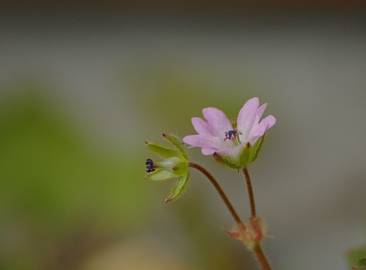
<point>261,257</point>
<point>258,251</point>
<point>221,192</point>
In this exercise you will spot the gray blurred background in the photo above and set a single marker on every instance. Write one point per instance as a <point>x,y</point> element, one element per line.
<point>80,92</point>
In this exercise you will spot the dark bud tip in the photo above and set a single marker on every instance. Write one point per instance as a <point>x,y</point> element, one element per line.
<point>150,167</point>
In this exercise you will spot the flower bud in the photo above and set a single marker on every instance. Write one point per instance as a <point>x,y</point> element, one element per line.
<point>173,164</point>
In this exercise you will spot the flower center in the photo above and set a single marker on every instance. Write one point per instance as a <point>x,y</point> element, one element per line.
<point>150,167</point>
<point>232,135</point>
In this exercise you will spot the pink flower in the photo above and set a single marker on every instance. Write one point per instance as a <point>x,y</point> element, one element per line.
<point>216,134</point>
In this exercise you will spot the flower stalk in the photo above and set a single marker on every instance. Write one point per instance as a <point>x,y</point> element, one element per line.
<point>250,191</point>
<point>219,190</point>
<point>257,249</point>
<point>242,232</point>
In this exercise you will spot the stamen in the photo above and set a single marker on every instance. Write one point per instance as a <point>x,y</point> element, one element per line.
<point>232,135</point>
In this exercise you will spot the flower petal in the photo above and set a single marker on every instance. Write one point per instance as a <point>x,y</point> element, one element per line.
<point>246,117</point>
<point>230,149</point>
<point>217,121</point>
<point>201,126</point>
<point>268,122</point>
<point>260,112</point>
<point>201,141</point>
<point>257,132</point>
<point>259,129</point>
<point>207,151</point>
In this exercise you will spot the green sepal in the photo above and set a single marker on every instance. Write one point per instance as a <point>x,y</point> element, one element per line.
<point>254,150</point>
<point>181,168</point>
<point>160,175</point>
<point>240,161</point>
<point>248,154</point>
<point>176,141</point>
<point>169,163</point>
<point>227,160</point>
<point>176,165</point>
<point>244,156</point>
<point>161,150</point>
<point>178,189</point>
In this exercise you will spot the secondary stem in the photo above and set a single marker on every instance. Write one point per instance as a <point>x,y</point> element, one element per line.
<point>250,191</point>
<point>219,189</point>
<point>258,251</point>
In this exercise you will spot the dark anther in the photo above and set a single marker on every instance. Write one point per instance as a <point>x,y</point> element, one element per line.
<point>231,134</point>
<point>150,167</point>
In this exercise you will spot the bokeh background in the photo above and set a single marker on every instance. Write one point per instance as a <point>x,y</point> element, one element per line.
<point>82,88</point>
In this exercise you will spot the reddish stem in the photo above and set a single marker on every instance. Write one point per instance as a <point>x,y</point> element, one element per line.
<point>220,190</point>
<point>258,251</point>
<point>250,191</point>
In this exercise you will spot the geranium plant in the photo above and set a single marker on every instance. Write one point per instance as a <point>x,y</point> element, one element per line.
<point>235,145</point>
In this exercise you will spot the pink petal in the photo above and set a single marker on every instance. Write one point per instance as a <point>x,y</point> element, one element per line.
<point>201,126</point>
<point>230,149</point>
<point>200,141</point>
<point>259,129</point>
<point>208,151</point>
<point>260,112</point>
<point>217,121</point>
<point>257,132</point>
<point>247,116</point>
<point>268,122</point>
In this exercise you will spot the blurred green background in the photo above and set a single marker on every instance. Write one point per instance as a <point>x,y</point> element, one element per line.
<point>79,95</point>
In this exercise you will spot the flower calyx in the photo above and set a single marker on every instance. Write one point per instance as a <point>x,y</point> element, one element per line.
<point>173,164</point>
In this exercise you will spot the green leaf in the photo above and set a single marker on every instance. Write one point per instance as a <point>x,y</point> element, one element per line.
<point>159,175</point>
<point>254,150</point>
<point>357,258</point>
<point>178,189</point>
<point>176,141</point>
<point>161,150</point>
<point>362,262</point>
